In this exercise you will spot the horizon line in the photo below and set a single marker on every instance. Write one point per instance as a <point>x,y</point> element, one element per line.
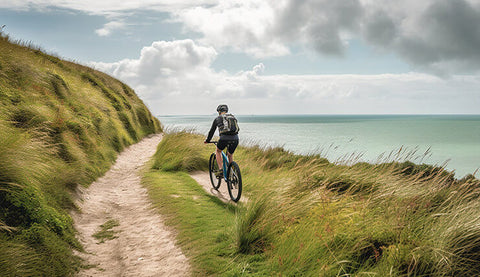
<point>332,114</point>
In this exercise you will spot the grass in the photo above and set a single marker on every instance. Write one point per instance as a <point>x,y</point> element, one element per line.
<point>205,224</point>
<point>180,153</point>
<point>59,131</point>
<point>106,232</point>
<point>308,217</point>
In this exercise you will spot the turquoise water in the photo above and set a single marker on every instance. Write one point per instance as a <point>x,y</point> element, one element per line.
<point>451,140</point>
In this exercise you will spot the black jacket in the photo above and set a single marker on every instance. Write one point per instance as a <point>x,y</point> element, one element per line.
<point>217,122</point>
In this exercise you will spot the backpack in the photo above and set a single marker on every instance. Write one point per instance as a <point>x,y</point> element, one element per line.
<point>229,125</point>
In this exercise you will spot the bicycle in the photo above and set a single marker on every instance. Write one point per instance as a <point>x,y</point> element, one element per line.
<point>231,175</point>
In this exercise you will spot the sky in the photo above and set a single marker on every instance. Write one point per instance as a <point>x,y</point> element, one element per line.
<point>270,56</point>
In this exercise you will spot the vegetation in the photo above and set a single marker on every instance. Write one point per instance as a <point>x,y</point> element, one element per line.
<point>106,232</point>
<point>61,126</point>
<point>179,153</point>
<point>308,217</point>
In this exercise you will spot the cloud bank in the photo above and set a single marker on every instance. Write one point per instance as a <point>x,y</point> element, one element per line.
<point>176,77</point>
<point>435,36</point>
<point>439,36</point>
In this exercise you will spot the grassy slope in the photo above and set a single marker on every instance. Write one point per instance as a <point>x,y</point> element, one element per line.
<point>61,125</point>
<point>307,217</point>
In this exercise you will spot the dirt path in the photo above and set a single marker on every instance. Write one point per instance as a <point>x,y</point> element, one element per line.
<point>203,179</point>
<point>143,246</point>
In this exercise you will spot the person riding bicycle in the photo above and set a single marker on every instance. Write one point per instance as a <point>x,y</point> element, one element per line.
<point>228,135</point>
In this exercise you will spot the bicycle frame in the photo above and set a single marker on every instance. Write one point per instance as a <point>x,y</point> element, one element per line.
<point>224,161</point>
<point>225,165</point>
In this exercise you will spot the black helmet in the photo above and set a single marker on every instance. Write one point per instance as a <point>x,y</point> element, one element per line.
<point>222,108</point>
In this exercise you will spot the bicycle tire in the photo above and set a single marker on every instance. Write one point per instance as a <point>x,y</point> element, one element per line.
<point>212,168</point>
<point>234,181</point>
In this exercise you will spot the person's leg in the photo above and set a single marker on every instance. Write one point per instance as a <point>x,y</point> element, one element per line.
<point>219,158</point>
<point>230,157</point>
<point>231,149</point>
<point>220,146</point>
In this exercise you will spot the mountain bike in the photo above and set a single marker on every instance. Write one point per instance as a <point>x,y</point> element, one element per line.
<point>231,175</point>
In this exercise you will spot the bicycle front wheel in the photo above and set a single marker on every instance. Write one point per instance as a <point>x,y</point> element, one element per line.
<point>212,168</point>
<point>234,181</point>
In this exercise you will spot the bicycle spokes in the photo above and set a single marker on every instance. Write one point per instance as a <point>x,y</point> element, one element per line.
<point>234,182</point>
<point>213,169</point>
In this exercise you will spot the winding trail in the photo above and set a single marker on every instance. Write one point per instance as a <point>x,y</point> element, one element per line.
<point>142,244</point>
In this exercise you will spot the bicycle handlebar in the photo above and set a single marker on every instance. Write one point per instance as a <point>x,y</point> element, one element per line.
<point>214,142</point>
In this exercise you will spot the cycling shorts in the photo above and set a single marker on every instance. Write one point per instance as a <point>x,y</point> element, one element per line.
<point>230,144</point>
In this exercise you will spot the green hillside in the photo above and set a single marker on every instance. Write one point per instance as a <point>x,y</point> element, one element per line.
<point>61,126</point>
<point>306,216</point>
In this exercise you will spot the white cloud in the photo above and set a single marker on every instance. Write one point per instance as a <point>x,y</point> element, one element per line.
<point>176,77</point>
<point>165,67</point>
<point>110,27</point>
<point>242,25</point>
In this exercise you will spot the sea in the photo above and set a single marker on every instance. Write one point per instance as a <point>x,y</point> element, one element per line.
<point>450,141</point>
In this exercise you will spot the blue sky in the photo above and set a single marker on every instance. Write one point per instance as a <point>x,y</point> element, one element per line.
<point>71,33</point>
<point>264,57</point>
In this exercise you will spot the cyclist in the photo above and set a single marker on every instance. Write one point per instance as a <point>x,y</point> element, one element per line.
<point>227,139</point>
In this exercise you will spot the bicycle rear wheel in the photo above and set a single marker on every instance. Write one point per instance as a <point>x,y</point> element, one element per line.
<point>234,181</point>
<point>212,168</point>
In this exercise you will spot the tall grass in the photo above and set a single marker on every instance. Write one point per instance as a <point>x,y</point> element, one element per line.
<point>396,219</point>
<point>308,217</point>
<point>179,152</point>
<point>58,131</point>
